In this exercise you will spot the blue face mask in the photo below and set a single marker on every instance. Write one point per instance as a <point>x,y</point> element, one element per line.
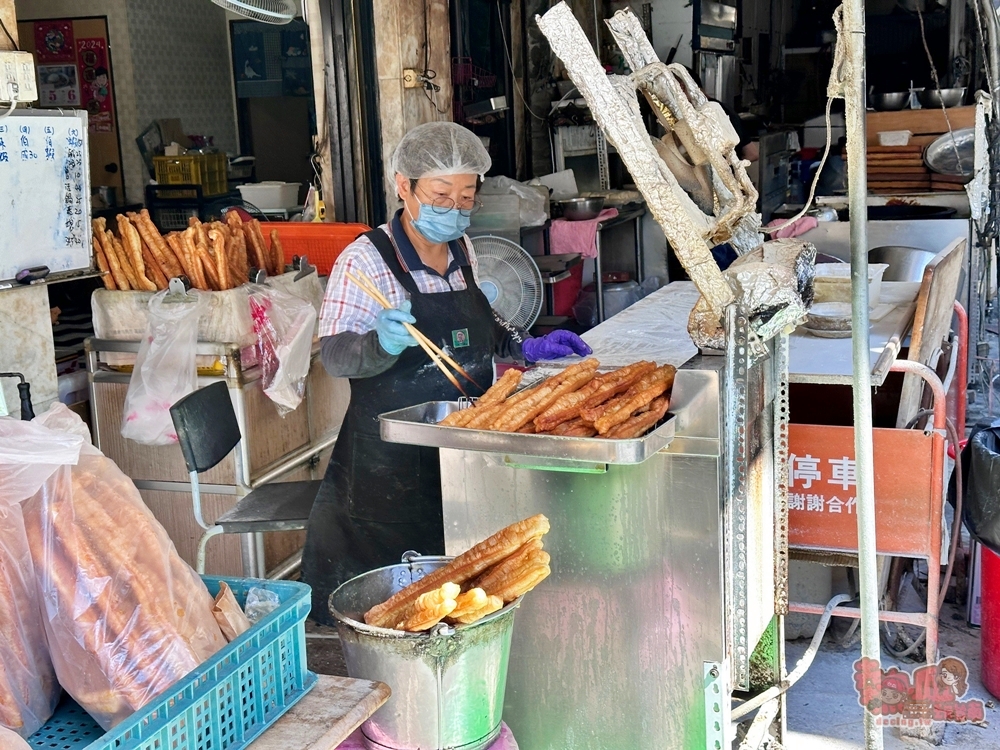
<point>441,227</point>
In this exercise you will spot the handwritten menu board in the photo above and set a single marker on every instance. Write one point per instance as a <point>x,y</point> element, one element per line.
<point>44,192</point>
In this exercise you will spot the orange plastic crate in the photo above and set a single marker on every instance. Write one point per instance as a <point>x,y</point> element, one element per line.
<point>321,243</point>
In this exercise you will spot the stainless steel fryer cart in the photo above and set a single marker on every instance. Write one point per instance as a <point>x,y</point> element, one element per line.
<point>669,566</point>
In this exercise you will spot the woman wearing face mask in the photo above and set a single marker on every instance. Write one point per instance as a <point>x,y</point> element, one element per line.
<point>380,499</point>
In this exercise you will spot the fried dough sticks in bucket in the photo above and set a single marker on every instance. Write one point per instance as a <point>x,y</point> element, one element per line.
<point>402,608</point>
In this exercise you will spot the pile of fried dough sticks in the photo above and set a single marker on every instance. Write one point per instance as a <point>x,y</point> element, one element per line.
<point>577,402</point>
<point>214,256</point>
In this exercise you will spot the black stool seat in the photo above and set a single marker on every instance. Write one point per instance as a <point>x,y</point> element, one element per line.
<point>280,506</point>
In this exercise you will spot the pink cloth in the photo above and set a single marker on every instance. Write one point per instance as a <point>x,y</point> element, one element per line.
<point>801,226</point>
<point>567,236</point>
<point>504,742</point>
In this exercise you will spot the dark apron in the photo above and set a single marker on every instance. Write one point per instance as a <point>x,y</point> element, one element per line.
<point>379,499</point>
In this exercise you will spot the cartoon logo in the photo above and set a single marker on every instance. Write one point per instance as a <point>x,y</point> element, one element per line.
<point>931,693</point>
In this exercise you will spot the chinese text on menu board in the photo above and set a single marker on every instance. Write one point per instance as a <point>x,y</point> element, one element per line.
<point>28,144</point>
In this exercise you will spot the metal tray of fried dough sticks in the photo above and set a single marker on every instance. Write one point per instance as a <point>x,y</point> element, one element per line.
<point>418,425</point>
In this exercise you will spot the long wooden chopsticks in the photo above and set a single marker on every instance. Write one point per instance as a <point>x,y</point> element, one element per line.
<point>433,351</point>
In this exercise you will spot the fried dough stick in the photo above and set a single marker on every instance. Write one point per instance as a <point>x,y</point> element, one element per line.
<point>497,394</point>
<point>626,406</point>
<point>572,378</point>
<point>493,604</point>
<point>529,577</point>
<point>639,424</point>
<point>463,568</point>
<point>574,428</point>
<point>430,608</point>
<point>506,569</point>
<point>619,381</point>
<point>471,601</point>
<point>660,374</point>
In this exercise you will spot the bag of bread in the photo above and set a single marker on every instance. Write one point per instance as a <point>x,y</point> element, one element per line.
<point>28,688</point>
<point>125,616</point>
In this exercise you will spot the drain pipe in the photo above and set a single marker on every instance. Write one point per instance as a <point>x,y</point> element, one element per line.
<point>801,667</point>
<point>853,77</point>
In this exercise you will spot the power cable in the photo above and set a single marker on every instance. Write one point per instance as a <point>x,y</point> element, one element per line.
<point>510,65</point>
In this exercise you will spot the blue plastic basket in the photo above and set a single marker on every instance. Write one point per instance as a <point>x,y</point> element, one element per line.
<point>224,704</point>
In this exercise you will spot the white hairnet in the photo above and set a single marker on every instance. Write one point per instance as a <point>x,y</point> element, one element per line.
<point>439,148</point>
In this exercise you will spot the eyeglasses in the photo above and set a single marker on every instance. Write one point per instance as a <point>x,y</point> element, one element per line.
<point>466,207</point>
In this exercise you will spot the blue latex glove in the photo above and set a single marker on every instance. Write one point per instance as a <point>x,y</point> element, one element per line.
<point>392,334</point>
<point>554,346</point>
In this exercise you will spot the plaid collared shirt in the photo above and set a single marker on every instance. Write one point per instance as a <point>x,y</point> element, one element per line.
<point>347,308</point>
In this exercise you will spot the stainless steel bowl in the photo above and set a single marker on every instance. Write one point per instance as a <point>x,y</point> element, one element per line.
<point>889,102</point>
<point>581,209</point>
<point>935,97</point>
<point>905,263</point>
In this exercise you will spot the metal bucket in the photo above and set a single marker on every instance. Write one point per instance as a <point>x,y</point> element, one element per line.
<point>447,685</point>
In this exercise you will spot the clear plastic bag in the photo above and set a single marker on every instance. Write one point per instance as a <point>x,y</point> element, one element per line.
<point>165,368</point>
<point>29,691</point>
<point>125,617</point>
<point>284,325</point>
<point>532,206</point>
<point>260,603</point>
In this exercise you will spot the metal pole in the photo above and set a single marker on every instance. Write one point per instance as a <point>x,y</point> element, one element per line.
<point>854,114</point>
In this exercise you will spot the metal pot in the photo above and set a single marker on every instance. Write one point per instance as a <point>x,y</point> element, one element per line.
<point>889,102</point>
<point>582,209</point>
<point>900,212</point>
<point>905,263</point>
<point>935,97</point>
<point>447,684</point>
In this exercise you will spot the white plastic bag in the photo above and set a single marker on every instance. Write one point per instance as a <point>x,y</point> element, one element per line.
<point>124,616</point>
<point>284,325</point>
<point>532,200</point>
<point>165,368</point>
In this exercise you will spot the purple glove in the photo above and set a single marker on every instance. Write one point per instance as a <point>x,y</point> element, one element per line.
<point>554,346</point>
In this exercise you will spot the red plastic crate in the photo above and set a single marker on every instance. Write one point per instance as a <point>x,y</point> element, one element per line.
<point>321,243</point>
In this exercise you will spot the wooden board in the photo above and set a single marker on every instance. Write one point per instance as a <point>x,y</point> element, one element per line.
<point>931,321</point>
<point>899,185</point>
<point>326,716</point>
<point>920,122</point>
<point>882,175</point>
<point>894,149</point>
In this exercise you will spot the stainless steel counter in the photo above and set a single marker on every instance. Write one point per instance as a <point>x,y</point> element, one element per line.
<point>665,573</point>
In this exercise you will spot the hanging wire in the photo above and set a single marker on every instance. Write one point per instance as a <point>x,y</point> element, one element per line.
<point>510,66</point>
<point>937,85</point>
<point>428,74</point>
<point>834,90</point>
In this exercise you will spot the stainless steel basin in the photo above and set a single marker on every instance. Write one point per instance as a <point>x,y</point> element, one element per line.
<point>905,263</point>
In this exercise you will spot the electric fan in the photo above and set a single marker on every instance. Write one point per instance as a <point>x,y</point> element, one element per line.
<point>265,11</point>
<point>510,280</point>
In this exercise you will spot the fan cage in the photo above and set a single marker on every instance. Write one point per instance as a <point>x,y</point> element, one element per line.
<point>278,12</point>
<point>513,270</point>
